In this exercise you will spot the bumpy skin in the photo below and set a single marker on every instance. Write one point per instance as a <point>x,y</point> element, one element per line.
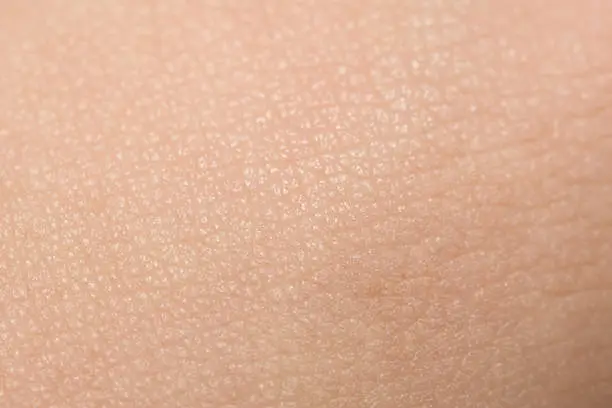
<point>306,204</point>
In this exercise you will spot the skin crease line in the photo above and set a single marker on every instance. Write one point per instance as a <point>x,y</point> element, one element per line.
<point>385,203</point>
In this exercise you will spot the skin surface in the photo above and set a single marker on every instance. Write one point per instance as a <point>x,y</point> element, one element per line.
<point>305,204</point>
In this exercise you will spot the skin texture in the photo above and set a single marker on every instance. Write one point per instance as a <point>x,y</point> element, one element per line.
<point>305,204</point>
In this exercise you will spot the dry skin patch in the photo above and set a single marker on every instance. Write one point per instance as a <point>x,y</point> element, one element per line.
<point>390,204</point>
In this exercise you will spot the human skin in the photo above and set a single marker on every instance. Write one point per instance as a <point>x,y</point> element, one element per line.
<point>306,204</point>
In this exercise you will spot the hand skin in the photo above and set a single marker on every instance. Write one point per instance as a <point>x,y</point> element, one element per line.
<point>306,204</point>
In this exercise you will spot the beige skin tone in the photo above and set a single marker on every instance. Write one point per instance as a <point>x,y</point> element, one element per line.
<point>341,204</point>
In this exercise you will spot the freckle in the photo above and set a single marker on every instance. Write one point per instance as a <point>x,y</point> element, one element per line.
<point>374,290</point>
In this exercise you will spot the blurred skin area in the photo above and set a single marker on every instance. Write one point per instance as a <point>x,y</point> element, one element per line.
<point>306,204</point>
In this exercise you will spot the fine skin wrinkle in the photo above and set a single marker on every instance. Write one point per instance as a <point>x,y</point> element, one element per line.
<point>305,204</point>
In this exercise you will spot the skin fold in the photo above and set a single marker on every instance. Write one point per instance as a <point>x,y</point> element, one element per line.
<point>305,204</point>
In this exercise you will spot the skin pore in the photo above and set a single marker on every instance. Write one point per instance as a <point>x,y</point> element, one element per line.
<point>305,204</point>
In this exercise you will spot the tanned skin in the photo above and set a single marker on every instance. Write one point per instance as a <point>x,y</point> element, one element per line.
<point>306,204</point>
